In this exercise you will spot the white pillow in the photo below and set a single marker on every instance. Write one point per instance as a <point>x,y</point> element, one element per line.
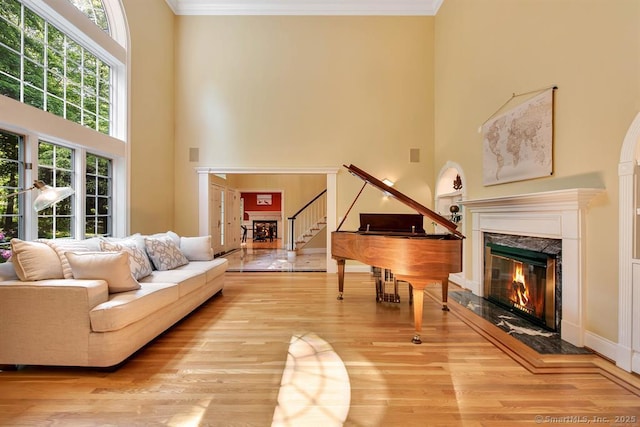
<point>164,253</point>
<point>197,248</point>
<point>112,267</point>
<point>138,261</point>
<point>35,261</point>
<point>71,245</point>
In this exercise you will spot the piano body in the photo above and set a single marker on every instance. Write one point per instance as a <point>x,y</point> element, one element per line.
<point>399,243</point>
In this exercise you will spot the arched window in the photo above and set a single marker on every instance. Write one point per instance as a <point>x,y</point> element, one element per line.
<point>94,9</point>
<point>74,74</point>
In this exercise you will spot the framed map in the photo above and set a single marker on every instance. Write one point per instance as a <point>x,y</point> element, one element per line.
<point>518,144</point>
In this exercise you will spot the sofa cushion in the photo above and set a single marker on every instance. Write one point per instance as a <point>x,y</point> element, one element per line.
<point>197,248</point>
<point>35,261</point>
<point>8,272</point>
<point>112,267</point>
<point>164,253</point>
<point>214,268</point>
<point>125,308</point>
<point>187,280</point>
<point>138,259</point>
<point>71,245</point>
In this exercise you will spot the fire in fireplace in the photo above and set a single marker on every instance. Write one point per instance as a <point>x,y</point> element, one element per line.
<point>522,281</point>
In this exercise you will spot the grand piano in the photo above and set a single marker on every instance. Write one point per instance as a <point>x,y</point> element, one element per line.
<point>399,243</point>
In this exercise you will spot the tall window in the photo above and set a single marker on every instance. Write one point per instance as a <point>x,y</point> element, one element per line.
<point>55,168</point>
<point>98,203</point>
<point>45,68</point>
<point>54,59</point>
<point>11,173</point>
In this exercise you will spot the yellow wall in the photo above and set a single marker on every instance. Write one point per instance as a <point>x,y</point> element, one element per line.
<point>303,92</point>
<point>486,50</point>
<point>292,92</point>
<point>151,26</point>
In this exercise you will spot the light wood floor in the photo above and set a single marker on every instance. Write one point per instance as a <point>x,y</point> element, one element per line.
<point>224,364</point>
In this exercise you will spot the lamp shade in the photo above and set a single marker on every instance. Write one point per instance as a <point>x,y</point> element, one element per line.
<point>49,195</point>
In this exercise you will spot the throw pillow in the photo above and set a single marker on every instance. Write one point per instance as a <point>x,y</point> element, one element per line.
<point>112,267</point>
<point>174,236</point>
<point>164,253</point>
<point>71,245</point>
<point>197,248</point>
<point>138,261</point>
<point>35,261</point>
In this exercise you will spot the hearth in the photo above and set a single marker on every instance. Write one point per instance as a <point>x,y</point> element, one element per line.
<point>521,277</point>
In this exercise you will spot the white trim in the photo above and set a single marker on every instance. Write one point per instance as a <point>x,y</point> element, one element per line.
<point>331,172</point>
<point>305,7</point>
<point>284,171</point>
<point>628,352</point>
<point>553,214</point>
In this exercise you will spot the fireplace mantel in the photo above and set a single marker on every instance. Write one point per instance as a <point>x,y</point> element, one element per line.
<point>573,198</point>
<point>557,214</point>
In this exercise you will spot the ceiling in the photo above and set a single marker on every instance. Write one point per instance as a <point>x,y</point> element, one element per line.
<point>305,7</point>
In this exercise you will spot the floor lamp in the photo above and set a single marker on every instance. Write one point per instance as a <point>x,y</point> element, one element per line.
<point>48,196</point>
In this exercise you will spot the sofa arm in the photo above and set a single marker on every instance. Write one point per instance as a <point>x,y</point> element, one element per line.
<point>47,322</point>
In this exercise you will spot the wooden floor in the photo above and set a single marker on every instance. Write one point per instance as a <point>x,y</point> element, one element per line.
<point>223,366</point>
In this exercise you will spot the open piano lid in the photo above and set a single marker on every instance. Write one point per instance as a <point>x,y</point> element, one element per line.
<point>439,219</point>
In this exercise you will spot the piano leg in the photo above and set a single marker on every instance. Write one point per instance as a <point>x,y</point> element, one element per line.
<point>445,293</point>
<point>418,302</point>
<point>418,298</point>
<point>341,263</point>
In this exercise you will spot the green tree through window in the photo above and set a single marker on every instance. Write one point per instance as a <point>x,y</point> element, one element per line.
<point>43,67</point>
<point>55,167</point>
<point>94,9</point>
<point>98,203</point>
<point>11,171</point>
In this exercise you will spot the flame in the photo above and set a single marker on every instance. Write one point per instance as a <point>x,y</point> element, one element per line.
<point>519,286</point>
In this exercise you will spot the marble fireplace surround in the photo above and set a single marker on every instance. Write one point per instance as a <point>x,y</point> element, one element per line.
<point>559,214</point>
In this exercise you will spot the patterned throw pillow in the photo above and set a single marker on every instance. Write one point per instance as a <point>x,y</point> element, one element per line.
<point>164,253</point>
<point>138,260</point>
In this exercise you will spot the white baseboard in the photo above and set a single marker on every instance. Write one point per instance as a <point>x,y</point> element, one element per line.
<point>601,345</point>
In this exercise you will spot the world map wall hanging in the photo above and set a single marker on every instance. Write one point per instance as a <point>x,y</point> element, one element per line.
<point>518,144</point>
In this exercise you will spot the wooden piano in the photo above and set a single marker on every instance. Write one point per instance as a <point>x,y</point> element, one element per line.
<point>399,243</point>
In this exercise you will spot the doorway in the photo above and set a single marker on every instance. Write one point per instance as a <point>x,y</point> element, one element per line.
<point>330,174</point>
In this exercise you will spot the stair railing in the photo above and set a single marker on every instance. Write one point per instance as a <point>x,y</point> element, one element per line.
<point>307,217</point>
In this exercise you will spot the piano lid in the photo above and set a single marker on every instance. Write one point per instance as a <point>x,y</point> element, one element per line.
<point>439,219</point>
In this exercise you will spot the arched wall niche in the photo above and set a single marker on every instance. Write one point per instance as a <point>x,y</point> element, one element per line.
<point>446,196</point>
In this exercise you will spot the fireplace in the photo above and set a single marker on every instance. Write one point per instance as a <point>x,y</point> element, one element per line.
<point>522,281</point>
<point>559,215</point>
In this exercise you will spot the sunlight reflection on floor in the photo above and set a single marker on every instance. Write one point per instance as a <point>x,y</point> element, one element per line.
<point>315,387</point>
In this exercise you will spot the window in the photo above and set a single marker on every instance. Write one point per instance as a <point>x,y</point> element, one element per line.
<point>11,177</point>
<point>55,168</point>
<point>45,68</point>
<point>55,59</point>
<point>94,9</point>
<point>98,204</point>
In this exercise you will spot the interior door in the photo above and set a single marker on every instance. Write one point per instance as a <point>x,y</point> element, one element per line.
<point>233,232</point>
<point>216,217</point>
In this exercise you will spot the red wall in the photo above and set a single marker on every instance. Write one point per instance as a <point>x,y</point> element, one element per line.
<point>251,202</point>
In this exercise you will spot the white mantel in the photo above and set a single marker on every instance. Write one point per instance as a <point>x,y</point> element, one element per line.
<point>557,214</point>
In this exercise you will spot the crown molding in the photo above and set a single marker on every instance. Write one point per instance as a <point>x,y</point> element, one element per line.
<point>305,7</point>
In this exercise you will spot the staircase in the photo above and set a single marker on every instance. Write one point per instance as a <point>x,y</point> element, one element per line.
<point>310,220</point>
<point>309,234</point>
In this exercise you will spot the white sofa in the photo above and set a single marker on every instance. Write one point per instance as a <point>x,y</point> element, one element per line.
<point>86,319</point>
